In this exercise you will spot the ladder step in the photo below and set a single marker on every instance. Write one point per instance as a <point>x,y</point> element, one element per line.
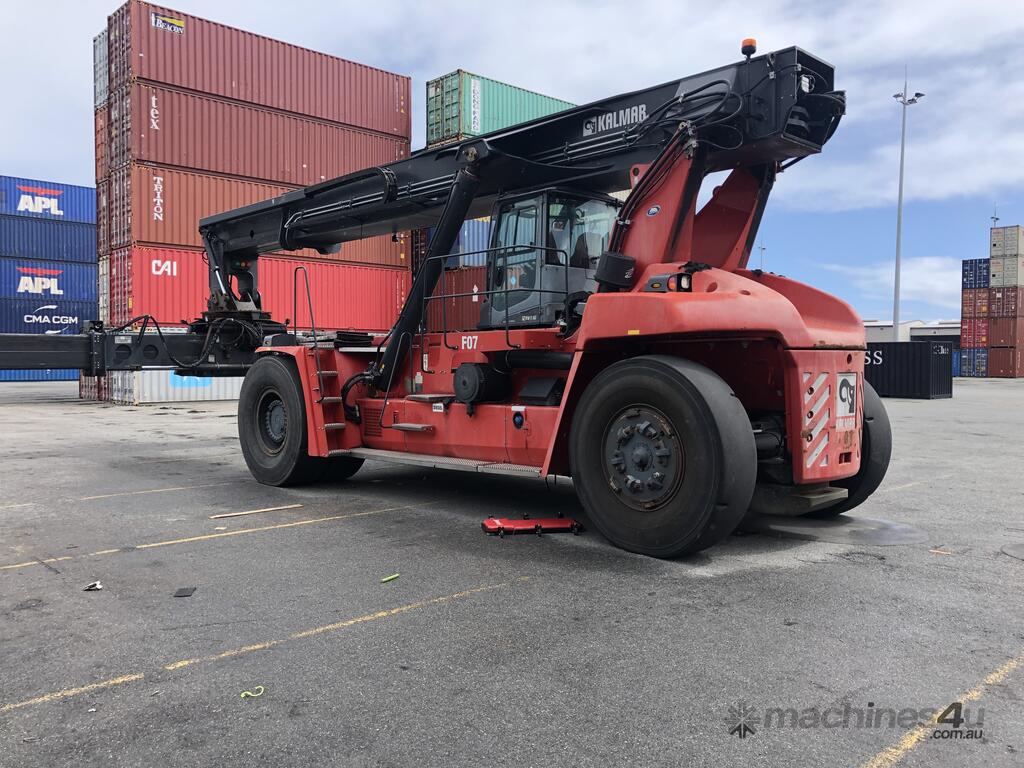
<point>334,425</point>
<point>407,427</point>
<point>330,401</point>
<point>324,374</point>
<point>438,397</point>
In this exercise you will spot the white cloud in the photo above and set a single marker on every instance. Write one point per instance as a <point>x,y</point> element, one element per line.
<point>965,136</point>
<point>931,280</point>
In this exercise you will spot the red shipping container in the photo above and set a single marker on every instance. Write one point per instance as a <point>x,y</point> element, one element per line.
<point>457,313</point>
<point>173,284</point>
<point>160,206</point>
<point>1005,302</point>
<point>974,302</point>
<point>974,332</point>
<point>163,46</point>
<point>102,217</point>
<point>101,134</point>
<point>1006,332</point>
<point>1006,363</point>
<point>196,132</point>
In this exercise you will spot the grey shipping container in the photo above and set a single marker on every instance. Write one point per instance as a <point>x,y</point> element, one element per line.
<point>100,75</point>
<point>919,370</point>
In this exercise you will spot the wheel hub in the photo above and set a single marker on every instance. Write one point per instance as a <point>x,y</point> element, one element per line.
<point>272,421</point>
<point>643,457</point>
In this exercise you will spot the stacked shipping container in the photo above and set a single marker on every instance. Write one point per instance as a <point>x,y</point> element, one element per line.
<point>1005,303</point>
<point>195,118</point>
<point>974,318</point>
<point>47,262</point>
<point>460,105</point>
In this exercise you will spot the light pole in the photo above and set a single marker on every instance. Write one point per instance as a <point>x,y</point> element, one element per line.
<point>901,97</point>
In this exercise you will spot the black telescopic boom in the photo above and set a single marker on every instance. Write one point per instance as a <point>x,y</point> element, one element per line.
<point>464,189</point>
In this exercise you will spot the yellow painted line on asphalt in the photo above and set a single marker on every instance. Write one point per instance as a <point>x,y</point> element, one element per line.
<point>154,490</point>
<point>254,511</point>
<point>194,457</point>
<point>220,535</point>
<point>894,754</point>
<point>67,693</point>
<point>911,485</point>
<point>35,562</point>
<point>254,647</point>
<point>17,506</point>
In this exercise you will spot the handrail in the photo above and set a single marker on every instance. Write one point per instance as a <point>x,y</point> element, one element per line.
<point>503,253</point>
<point>312,323</point>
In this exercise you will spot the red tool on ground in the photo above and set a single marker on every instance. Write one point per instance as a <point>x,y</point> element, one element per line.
<point>504,526</point>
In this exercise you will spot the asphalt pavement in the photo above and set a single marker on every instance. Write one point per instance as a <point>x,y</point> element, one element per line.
<point>810,645</point>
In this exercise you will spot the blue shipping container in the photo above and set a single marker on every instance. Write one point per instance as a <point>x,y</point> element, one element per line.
<point>47,200</point>
<point>51,240</point>
<point>474,236</point>
<point>47,316</point>
<point>974,273</point>
<point>974,362</point>
<point>33,279</point>
<point>955,357</point>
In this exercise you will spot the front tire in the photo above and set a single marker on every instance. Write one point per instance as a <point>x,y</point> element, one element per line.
<point>272,425</point>
<point>662,456</point>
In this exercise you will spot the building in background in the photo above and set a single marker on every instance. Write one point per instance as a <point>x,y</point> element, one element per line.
<point>47,262</point>
<point>194,118</point>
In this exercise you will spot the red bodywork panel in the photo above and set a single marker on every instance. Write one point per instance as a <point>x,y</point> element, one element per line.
<point>781,346</point>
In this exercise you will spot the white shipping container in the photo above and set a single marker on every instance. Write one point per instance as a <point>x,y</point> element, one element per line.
<point>1006,241</point>
<point>1006,271</point>
<point>100,79</point>
<point>103,288</point>
<point>140,387</point>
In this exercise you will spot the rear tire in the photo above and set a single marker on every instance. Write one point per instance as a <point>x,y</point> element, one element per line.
<point>272,425</point>
<point>662,456</point>
<point>876,450</point>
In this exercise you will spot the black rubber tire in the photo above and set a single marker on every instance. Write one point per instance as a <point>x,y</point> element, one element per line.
<point>719,461</point>
<point>875,452</point>
<point>275,378</point>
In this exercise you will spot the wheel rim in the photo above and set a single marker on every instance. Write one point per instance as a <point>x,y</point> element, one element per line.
<point>271,421</point>
<point>643,458</point>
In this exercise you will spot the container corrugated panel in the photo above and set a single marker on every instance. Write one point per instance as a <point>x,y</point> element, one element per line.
<point>100,135</point>
<point>910,369</point>
<point>46,316</point>
<point>160,45</point>
<point>474,237</point>
<point>100,75</point>
<point>1005,302</point>
<point>448,311</point>
<point>461,104</point>
<point>974,362</point>
<point>1006,362</point>
<point>34,279</point>
<point>1006,271</point>
<point>103,289</point>
<point>1005,332</point>
<point>956,362</point>
<point>172,285</point>
<point>41,239</point>
<point>47,200</point>
<point>141,387</point>
<point>974,302</point>
<point>975,273</point>
<point>92,387</point>
<point>103,217</point>
<point>162,126</point>
<point>160,206</point>
<point>974,332</point>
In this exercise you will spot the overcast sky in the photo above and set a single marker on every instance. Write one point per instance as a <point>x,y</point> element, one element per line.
<point>831,221</point>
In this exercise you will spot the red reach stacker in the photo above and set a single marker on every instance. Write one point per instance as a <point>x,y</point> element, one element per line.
<point>625,345</point>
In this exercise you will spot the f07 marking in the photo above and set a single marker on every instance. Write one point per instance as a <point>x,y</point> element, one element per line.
<point>470,342</point>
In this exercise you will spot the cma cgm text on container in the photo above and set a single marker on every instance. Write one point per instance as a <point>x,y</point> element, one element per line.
<point>159,125</point>
<point>161,206</point>
<point>160,45</point>
<point>47,200</point>
<point>172,285</point>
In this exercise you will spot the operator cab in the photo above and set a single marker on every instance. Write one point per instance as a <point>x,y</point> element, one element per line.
<point>544,247</point>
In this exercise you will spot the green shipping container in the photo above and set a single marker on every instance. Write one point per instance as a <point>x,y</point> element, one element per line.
<point>462,104</point>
